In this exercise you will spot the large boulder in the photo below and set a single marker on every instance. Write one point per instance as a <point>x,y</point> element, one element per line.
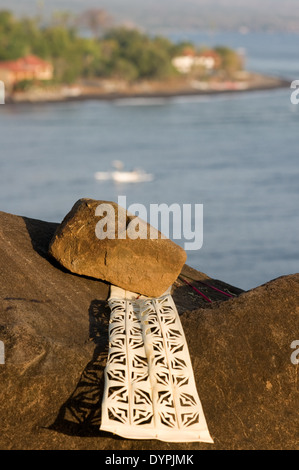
<point>54,326</point>
<point>98,239</point>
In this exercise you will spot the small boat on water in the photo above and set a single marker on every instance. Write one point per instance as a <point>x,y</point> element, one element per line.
<point>120,176</point>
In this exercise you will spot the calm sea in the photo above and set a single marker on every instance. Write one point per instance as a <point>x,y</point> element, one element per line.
<point>235,154</point>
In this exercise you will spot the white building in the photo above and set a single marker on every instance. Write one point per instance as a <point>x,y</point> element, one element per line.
<point>188,61</point>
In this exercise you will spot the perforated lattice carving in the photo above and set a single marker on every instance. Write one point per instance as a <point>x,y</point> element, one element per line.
<point>150,391</point>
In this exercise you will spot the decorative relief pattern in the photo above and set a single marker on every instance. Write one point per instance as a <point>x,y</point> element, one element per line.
<point>150,392</point>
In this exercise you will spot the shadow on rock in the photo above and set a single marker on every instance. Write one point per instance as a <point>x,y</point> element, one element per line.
<point>80,415</point>
<point>40,234</point>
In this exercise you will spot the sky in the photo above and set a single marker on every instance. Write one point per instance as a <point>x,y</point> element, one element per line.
<point>202,14</point>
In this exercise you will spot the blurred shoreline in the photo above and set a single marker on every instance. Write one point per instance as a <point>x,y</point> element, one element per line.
<point>110,90</point>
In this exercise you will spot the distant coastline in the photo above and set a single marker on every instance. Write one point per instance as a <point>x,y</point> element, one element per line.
<point>110,90</point>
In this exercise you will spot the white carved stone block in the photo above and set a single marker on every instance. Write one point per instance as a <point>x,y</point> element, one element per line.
<point>150,391</point>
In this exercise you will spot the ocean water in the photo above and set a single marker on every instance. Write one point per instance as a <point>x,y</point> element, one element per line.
<point>235,154</point>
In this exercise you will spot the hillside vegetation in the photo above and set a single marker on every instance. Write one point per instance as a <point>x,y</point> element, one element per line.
<point>92,47</point>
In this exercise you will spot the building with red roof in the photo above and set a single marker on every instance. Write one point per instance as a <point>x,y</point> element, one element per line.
<point>30,67</point>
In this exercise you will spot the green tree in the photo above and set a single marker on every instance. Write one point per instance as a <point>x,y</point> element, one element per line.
<point>12,44</point>
<point>151,57</point>
<point>231,61</point>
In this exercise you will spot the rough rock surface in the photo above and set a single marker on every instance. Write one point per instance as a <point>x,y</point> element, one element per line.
<point>147,266</point>
<point>54,328</point>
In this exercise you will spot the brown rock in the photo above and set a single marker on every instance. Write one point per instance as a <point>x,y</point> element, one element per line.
<point>54,328</point>
<point>147,266</point>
